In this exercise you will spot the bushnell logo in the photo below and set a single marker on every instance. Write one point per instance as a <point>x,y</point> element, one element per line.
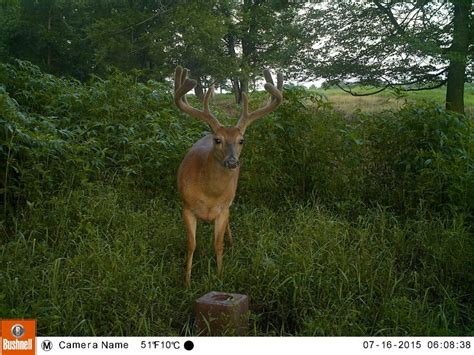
<point>18,330</point>
<point>18,337</point>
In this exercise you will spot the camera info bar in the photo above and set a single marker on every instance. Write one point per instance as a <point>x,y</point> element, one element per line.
<point>252,345</point>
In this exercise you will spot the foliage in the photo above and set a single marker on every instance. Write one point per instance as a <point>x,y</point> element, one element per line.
<point>421,154</point>
<point>371,215</point>
<point>218,40</point>
<point>82,132</point>
<point>108,260</point>
<point>194,40</point>
<point>410,45</point>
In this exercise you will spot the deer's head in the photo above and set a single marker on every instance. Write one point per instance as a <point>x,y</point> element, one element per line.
<point>228,141</point>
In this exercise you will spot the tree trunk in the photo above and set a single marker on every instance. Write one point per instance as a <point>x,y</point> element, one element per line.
<point>239,87</point>
<point>244,85</point>
<point>458,56</point>
<point>237,91</point>
<point>199,90</point>
<point>235,81</point>
<point>249,47</point>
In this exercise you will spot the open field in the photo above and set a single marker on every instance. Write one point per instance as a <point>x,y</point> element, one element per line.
<point>347,104</point>
<point>386,100</point>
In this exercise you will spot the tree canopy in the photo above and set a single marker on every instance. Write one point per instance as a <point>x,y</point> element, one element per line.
<point>398,45</point>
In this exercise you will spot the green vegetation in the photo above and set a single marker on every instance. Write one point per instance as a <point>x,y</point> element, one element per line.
<point>406,46</point>
<point>416,44</point>
<point>343,226</point>
<point>346,103</point>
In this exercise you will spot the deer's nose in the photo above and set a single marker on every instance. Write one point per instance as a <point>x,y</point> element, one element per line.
<point>231,163</point>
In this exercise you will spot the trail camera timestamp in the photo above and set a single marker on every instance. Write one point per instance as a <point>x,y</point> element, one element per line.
<point>417,344</point>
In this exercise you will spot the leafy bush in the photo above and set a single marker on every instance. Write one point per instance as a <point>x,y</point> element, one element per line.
<point>36,155</point>
<point>420,155</point>
<point>78,162</point>
<point>296,153</point>
<point>58,131</point>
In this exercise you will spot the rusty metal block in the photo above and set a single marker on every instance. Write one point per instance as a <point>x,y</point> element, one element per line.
<point>222,313</point>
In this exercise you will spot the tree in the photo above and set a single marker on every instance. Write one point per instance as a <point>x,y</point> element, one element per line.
<point>123,34</point>
<point>219,40</point>
<point>458,54</point>
<point>400,45</point>
<point>39,31</point>
<point>192,37</point>
<point>262,33</point>
<point>81,37</point>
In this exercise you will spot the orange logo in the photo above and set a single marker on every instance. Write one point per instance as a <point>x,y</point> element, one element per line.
<point>18,337</point>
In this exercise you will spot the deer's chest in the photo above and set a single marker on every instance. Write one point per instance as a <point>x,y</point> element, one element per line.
<point>207,192</point>
<point>207,212</point>
<point>208,204</point>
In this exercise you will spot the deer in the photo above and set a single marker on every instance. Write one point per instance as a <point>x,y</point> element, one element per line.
<point>208,175</point>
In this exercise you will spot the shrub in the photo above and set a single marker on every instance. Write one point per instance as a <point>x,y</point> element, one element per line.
<point>421,154</point>
<point>57,131</point>
<point>36,155</point>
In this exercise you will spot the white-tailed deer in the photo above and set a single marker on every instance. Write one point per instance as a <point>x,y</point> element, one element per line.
<point>208,174</point>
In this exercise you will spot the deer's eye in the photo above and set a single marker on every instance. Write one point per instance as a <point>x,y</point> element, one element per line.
<point>242,141</point>
<point>217,141</point>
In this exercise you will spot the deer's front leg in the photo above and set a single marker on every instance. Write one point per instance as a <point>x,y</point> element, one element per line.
<point>229,234</point>
<point>190,222</point>
<point>220,225</point>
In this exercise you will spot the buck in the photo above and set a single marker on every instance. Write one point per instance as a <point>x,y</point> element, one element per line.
<point>208,174</point>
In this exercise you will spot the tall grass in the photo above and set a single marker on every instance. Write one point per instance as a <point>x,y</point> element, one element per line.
<point>109,260</point>
<point>358,226</point>
<point>347,103</point>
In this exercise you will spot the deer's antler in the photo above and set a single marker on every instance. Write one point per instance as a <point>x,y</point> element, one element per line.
<point>247,118</point>
<point>182,85</point>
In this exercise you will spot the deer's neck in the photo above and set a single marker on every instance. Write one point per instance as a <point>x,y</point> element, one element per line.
<point>218,179</point>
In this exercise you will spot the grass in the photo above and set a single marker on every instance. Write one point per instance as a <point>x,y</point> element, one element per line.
<point>108,260</point>
<point>346,103</point>
<point>92,241</point>
<point>343,102</point>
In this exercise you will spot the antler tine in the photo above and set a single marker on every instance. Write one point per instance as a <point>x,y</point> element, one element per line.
<point>182,85</point>
<point>280,81</point>
<point>209,93</point>
<point>276,98</point>
<point>177,77</point>
<point>184,75</point>
<point>268,76</point>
